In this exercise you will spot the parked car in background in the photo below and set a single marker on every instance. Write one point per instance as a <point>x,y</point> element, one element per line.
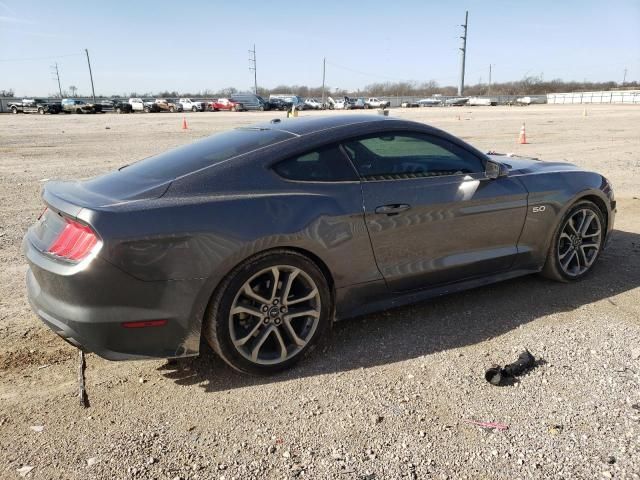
<point>374,102</point>
<point>279,104</point>
<point>410,104</point>
<point>188,104</point>
<point>355,103</point>
<point>115,106</point>
<point>313,104</point>
<point>72,105</point>
<point>251,101</point>
<point>225,104</point>
<point>140,105</point>
<point>456,101</point>
<point>168,105</point>
<point>34,105</point>
<point>430,102</point>
<point>292,100</point>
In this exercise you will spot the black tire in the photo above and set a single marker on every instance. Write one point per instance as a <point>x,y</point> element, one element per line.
<point>194,109</point>
<point>216,326</point>
<point>78,110</point>
<point>118,110</point>
<point>366,106</point>
<point>172,109</point>
<point>41,111</point>
<point>14,110</point>
<point>552,268</point>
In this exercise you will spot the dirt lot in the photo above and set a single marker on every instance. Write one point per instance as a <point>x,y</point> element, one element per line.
<point>390,395</point>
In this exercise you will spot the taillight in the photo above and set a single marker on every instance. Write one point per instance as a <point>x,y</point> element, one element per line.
<point>74,242</point>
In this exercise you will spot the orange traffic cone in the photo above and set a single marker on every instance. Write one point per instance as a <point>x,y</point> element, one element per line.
<point>184,123</point>
<point>522,138</point>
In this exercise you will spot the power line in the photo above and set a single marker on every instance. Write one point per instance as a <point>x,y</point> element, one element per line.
<point>368,74</point>
<point>39,58</point>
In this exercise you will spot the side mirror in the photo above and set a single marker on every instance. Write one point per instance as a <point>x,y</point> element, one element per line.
<point>495,170</point>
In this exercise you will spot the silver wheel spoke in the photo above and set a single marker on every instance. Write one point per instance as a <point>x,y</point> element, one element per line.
<point>565,265</point>
<point>287,289</point>
<point>263,338</point>
<point>588,218</point>
<point>307,297</point>
<point>283,347</point>
<point>243,309</point>
<point>292,333</point>
<point>562,255</point>
<point>242,341</point>
<point>305,313</point>
<point>275,271</point>
<point>248,291</point>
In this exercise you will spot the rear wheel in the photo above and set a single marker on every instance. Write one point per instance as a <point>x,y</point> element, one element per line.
<point>118,110</point>
<point>172,109</point>
<point>194,109</point>
<point>576,244</point>
<point>41,111</point>
<point>14,110</point>
<point>269,312</point>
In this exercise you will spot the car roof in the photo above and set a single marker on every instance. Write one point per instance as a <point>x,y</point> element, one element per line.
<point>308,125</point>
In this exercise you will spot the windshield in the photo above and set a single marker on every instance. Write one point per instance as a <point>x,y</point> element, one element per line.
<point>204,153</point>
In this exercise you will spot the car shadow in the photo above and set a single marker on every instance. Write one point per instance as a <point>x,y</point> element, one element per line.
<point>447,322</point>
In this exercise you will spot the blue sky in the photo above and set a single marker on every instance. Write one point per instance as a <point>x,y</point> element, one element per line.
<point>195,45</point>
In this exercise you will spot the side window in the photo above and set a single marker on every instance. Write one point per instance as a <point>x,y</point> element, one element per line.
<point>410,155</point>
<point>324,165</point>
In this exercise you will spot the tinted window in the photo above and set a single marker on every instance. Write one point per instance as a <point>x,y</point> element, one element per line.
<point>410,155</point>
<point>207,152</point>
<point>325,165</point>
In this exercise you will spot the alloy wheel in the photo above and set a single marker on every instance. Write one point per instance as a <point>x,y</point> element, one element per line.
<point>274,315</point>
<point>579,243</point>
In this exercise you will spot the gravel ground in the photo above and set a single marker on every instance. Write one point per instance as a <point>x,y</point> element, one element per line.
<point>389,395</point>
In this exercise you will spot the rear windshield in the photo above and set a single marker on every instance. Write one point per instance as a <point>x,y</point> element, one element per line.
<point>204,153</point>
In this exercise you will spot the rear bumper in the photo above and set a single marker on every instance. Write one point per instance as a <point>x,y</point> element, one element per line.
<point>87,305</point>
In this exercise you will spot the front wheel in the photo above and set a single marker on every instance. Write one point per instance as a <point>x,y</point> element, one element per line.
<point>14,110</point>
<point>269,312</point>
<point>576,244</point>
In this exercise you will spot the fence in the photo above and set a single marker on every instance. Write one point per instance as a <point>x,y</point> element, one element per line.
<point>614,96</point>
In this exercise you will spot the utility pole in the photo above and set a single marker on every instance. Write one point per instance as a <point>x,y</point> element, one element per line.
<point>624,78</point>
<point>464,51</point>
<point>93,92</point>
<point>252,66</point>
<point>57,72</point>
<point>489,91</point>
<point>324,67</point>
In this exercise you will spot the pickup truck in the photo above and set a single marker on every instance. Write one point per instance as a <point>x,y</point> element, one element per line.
<point>168,105</point>
<point>34,105</point>
<point>374,102</point>
<point>72,105</point>
<point>224,104</point>
<point>188,104</point>
<point>139,105</point>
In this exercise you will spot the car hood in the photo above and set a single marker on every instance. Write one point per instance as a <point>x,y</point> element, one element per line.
<point>531,165</point>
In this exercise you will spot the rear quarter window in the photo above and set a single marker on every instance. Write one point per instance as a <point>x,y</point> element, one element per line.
<point>328,164</point>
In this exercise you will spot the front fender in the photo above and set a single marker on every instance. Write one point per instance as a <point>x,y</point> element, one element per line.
<point>551,195</point>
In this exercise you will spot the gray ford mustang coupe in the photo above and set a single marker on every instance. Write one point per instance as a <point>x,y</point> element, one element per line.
<point>259,237</point>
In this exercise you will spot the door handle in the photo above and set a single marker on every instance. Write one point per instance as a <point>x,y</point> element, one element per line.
<point>393,209</point>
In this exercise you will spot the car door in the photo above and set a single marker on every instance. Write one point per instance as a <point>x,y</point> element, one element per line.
<point>432,214</point>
